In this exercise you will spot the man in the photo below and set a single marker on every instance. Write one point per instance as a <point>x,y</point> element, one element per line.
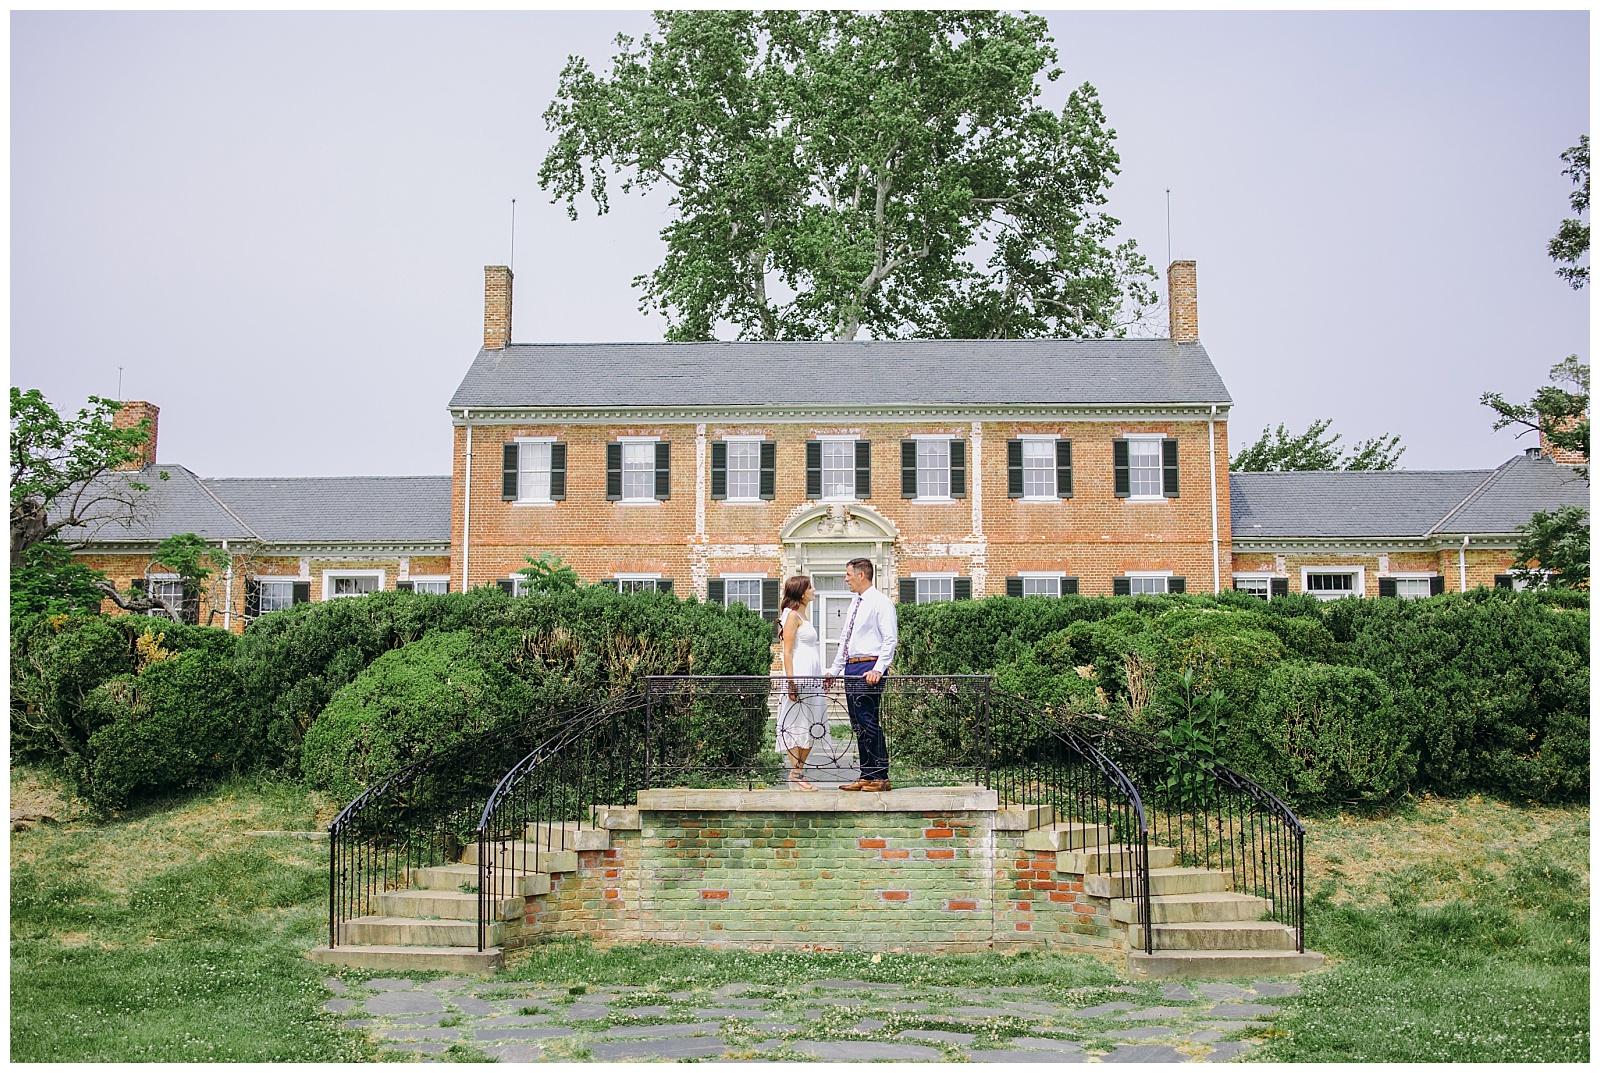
<point>866,648</point>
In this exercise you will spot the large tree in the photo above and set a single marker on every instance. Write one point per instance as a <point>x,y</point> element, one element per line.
<point>1279,450</point>
<point>1571,243</point>
<point>839,171</point>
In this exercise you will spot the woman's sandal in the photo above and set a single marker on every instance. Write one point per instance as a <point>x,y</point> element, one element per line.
<point>801,784</point>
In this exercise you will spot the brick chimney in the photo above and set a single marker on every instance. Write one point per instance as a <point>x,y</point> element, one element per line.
<point>496,307</point>
<point>129,416</point>
<point>1183,312</point>
<point>1560,454</point>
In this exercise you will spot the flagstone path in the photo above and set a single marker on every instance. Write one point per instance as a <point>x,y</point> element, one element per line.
<point>825,1020</point>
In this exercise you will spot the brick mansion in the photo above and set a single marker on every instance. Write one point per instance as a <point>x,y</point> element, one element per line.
<point>961,468</point>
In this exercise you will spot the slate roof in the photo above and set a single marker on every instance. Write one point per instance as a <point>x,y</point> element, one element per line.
<point>179,504</point>
<point>1517,489</point>
<point>1399,503</point>
<point>892,372</point>
<point>322,510</point>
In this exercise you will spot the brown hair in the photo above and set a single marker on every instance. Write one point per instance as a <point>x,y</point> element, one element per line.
<point>794,591</point>
<point>862,566</point>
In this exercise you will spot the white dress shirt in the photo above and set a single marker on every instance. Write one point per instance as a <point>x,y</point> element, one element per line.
<point>873,633</point>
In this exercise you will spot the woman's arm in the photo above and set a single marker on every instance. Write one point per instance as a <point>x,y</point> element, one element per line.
<point>791,630</point>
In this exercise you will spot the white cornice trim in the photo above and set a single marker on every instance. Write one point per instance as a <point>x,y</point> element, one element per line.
<point>635,415</point>
<point>266,550</point>
<point>1364,545</point>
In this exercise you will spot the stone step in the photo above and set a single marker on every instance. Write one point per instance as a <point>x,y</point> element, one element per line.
<point>464,877</point>
<point>1023,817</point>
<point>407,931</point>
<point>1111,858</point>
<point>527,857</point>
<point>1217,906</point>
<point>1234,935</point>
<point>1162,881</point>
<point>1221,963</point>
<point>426,904</point>
<point>567,835</point>
<point>615,817</point>
<point>409,958</point>
<point>1060,836</point>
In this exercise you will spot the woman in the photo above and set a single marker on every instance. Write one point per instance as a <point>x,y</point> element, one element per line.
<point>802,708</point>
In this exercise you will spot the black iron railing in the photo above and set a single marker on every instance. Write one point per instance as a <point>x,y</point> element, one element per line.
<point>1215,817</point>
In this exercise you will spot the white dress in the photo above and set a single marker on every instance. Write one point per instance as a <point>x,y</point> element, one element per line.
<point>803,724</point>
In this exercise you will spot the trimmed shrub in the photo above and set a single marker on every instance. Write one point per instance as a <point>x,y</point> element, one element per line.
<point>175,725</point>
<point>1323,735</point>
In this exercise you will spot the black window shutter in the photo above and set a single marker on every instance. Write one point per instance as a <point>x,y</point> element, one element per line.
<point>769,598</point>
<point>1013,586</point>
<point>719,470</point>
<point>300,592</point>
<point>1169,468</point>
<point>1387,587</point>
<point>769,469</point>
<point>1119,464</point>
<point>1436,585</point>
<point>908,590</point>
<point>1069,586</point>
<point>508,472</point>
<point>863,469</point>
<point>663,469</point>
<point>507,586</point>
<point>962,589</point>
<point>558,471</point>
<point>1120,587</point>
<point>1503,581</point>
<point>813,469</point>
<point>958,469</point>
<point>405,586</point>
<point>1177,584</point>
<point>716,591</point>
<point>664,584</point>
<point>252,597</point>
<point>1280,586</point>
<point>613,471</point>
<point>1014,469</point>
<point>908,469</point>
<point>1064,469</point>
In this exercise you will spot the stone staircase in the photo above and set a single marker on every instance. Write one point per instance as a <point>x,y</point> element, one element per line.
<point>433,924</point>
<point>1199,925</point>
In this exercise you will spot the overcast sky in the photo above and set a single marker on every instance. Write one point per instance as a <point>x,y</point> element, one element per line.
<point>277,223</point>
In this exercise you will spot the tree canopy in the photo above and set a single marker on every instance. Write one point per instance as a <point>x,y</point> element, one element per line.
<point>1281,450</point>
<point>1571,243</point>
<point>839,171</point>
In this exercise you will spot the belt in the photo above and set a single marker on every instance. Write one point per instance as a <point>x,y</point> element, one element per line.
<point>862,659</point>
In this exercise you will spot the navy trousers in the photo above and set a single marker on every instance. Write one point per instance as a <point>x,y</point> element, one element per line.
<point>863,702</point>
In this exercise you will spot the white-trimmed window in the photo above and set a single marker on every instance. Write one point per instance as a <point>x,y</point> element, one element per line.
<point>638,582</point>
<point>438,584</point>
<point>533,471</point>
<point>742,589</point>
<point>933,467</point>
<point>277,594</point>
<point>1039,467</point>
<point>1332,582</point>
<point>935,588</point>
<point>1255,584</point>
<point>1149,582</point>
<point>1413,588</point>
<point>337,583</point>
<point>168,587</point>
<point>838,467</point>
<point>744,470</point>
<point>1144,468</point>
<point>639,471</point>
<point>1041,584</point>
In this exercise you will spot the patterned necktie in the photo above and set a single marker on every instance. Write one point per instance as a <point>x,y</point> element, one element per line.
<point>844,642</point>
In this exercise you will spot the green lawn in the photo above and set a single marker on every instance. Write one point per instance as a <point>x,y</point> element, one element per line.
<point>1457,931</point>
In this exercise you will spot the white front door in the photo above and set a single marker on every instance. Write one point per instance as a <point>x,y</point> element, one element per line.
<point>833,601</point>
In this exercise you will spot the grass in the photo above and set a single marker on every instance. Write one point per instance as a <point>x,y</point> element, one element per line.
<point>169,934</point>
<point>1457,931</point>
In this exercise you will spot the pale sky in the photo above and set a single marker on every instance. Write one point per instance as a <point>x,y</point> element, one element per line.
<point>277,223</point>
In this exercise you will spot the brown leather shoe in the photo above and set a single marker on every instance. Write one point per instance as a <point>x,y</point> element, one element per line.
<point>875,785</point>
<point>859,784</point>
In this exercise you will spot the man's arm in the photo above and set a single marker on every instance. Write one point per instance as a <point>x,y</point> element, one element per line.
<point>889,630</point>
